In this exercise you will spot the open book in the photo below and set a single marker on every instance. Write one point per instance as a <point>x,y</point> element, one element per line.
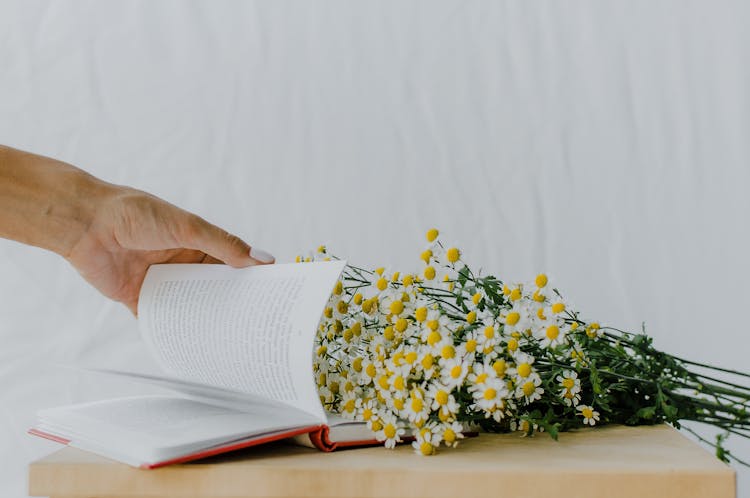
<point>236,347</point>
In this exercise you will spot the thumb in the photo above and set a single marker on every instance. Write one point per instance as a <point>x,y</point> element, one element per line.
<point>221,244</point>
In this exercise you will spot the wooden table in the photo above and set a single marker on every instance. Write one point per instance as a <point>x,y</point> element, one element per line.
<point>610,462</point>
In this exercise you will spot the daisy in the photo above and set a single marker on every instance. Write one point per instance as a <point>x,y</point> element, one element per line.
<point>427,439</point>
<point>569,382</point>
<point>451,433</point>
<point>551,333</point>
<point>442,399</point>
<point>417,409</point>
<point>590,416</point>
<point>454,371</point>
<point>529,388</point>
<point>490,395</point>
<point>391,431</point>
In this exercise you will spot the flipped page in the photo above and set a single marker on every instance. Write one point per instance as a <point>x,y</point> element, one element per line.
<point>250,330</point>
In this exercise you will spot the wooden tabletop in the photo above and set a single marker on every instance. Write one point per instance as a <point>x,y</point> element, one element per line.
<point>610,462</point>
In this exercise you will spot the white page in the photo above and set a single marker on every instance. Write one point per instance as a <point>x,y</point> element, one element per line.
<point>156,428</point>
<point>249,330</point>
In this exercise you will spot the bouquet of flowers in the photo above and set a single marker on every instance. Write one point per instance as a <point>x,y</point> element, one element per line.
<point>437,353</point>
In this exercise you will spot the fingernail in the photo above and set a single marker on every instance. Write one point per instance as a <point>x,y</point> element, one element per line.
<point>261,255</point>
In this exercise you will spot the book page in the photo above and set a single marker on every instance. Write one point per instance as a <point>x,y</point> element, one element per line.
<point>147,429</point>
<point>249,330</point>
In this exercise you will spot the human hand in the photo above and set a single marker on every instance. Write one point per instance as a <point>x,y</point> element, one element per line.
<point>131,230</point>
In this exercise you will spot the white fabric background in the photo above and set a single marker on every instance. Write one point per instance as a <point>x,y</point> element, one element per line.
<point>603,142</point>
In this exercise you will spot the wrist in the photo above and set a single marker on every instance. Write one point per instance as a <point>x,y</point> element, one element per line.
<point>45,202</point>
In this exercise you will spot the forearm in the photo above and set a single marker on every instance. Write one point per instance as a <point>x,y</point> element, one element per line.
<point>44,202</point>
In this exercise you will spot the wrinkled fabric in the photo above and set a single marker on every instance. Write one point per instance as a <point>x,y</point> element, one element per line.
<point>603,142</point>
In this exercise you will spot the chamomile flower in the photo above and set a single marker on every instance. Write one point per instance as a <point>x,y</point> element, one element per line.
<point>391,431</point>
<point>590,416</point>
<point>523,369</point>
<point>569,382</point>
<point>427,439</point>
<point>529,389</point>
<point>551,333</point>
<point>454,371</point>
<point>451,433</point>
<point>490,395</point>
<point>417,408</point>
<point>442,400</point>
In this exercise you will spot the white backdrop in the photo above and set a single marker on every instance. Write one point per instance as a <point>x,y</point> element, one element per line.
<point>604,142</point>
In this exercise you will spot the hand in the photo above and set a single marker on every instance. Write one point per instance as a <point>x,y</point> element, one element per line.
<point>132,230</point>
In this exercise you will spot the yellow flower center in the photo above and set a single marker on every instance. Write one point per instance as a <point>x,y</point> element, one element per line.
<point>452,254</point>
<point>429,272</point>
<point>411,357</point>
<point>524,370</point>
<point>433,324</point>
<point>383,382</point>
<point>390,431</point>
<point>489,332</point>
<point>471,317</point>
<point>396,276</point>
<point>328,312</point>
<point>342,307</point>
<point>370,370</point>
<point>397,307</point>
<point>420,314</point>
<point>441,397</point>
<point>568,383</point>
<point>588,412</point>
<point>427,361</point>
<point>490,394</point>
<point>481,378</point>
<point>447,352</point>
<point>398,383</point>
<point>552,332</point>
<point>425,256</point>
<point>357,328</point>
<point>433,338</point>
<point>349,406</point>
<point>456,371</point>
<point>529,388</point>
<point>515,294</point>
<point>426,448</point>
<point>471,345</point>
<point>398,358</point>
<point>540,314</point>
<point>388,333</point>
<point>558,308</point>
<point>376,425</point>
<point>512,318</point>
<point>539,298</point>
<point>432,234</point>
<point>541,280</point>
<point>322,350</point>
<point>348,335</point>
<point>398,403</point>
<point>367,414</point>
<point>382,284</point>
<point>417,404</point>
<point>506,290</point>
<point>401,324</point>
<point>449,436</point>
<point>338,288</point>
<point>407,280</point>
<point>499,366</point>
<point>512,344</point>
<point>357,364</point>
<point>476,298</point>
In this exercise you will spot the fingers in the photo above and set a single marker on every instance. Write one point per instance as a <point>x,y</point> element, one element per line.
<point>219,244</point>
